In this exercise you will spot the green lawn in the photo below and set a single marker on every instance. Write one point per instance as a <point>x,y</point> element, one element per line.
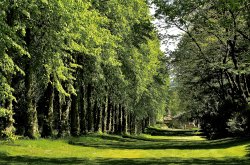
<point>110,149</point>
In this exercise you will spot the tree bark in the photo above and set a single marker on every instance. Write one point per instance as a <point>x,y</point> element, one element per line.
<point>95,116</point>
<point>119,119</point>
<point>89,111</point>
<point>124,121</point>
<point>82,112</point>
<point>74,122</point>
<point>132,124</point>
<point>64,122</point>
<point>48,114</point>
<point>57,109</point>
<point>104,115</point>
<point>109,115</point>
<point>31,129</point>
<point>114,116</point>
<point>97,110</point>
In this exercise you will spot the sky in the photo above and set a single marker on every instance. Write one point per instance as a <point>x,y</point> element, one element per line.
<point>167,44</point>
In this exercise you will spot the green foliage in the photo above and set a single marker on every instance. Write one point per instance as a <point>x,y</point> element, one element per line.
<point>210,65</point>
<point>51,51</point>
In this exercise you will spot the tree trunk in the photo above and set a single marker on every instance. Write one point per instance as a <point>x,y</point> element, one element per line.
<point>124,121</point>
<point>64,122</point>
<point>109,115</point>
<point>104,115</point>
<point>48,114</point>
<point>152,120</point>
<point>119,119</point>
<point>57,109</point>
<point>82,112</point>
<point>97,117</point>
<point>113,122</point>
<point>74,122</point>
<point>143,125</point>
<point>89,111</point>
<point>7,124</point>
<point>129,122</point>
<point>132,124</point>
<point>138,127</point>
<point>31,129</point>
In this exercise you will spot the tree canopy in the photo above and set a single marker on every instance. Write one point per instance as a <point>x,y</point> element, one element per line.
<point>71,67</point>
<point>211,63</point>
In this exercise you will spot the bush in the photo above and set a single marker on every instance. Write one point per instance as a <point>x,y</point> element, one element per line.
<point>237,124</point>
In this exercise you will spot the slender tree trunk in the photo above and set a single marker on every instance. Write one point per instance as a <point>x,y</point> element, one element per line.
<point>89,111</point>
<point>132,124</point>
<point>98,116</point>
<point>114,126</point>
<point>152,121</point>
<point>82,113</point>
<point>119,118</point>
<point>143,125</point>
<point>109,115</point>
<point>138,127</point>
<point>147,122</point>
<point>104,115</point>
<point>74,122</point>
<point>48,114</point>
<point>57,109</point>
<point>129,122</point>
<point>124,121</point>
<point>95,109</point>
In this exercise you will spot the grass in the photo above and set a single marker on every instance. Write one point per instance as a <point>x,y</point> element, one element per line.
<point>111,149</point>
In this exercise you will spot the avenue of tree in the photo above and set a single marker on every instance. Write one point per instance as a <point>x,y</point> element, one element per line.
<point>70,67</point>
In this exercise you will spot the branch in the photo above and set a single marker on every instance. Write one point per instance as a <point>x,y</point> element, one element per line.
<point>193,39</point>
<point>243,35</point>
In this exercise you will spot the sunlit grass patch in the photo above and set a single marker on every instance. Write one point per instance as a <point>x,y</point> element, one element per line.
<point>195,138</point>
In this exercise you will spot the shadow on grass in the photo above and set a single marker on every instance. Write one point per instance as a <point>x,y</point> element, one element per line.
<point>147,144</point>
<point>163,132</point>
<point>117,138</point>
<point>5,159</point>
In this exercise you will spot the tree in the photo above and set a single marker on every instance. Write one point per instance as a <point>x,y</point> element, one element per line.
<point>211,60</point>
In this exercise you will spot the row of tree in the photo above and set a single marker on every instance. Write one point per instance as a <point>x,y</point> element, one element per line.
<point>212,62</point>
<point>70,67</point>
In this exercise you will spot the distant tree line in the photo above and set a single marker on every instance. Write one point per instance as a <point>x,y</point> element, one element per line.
<point>71,67</point>
<point>212,62</point>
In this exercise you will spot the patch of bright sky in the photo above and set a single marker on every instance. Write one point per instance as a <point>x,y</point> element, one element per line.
<point>168,42</point>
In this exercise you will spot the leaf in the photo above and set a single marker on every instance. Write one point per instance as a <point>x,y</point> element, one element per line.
<point>45,2</point>
<point>26,13</point>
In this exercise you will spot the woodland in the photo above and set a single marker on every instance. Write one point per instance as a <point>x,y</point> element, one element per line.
<point>88,79</point>
<point>74,67</point>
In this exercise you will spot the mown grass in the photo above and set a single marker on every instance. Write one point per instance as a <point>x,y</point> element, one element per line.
<point>111,149</point>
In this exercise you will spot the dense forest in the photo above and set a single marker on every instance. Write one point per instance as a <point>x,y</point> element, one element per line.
<point>71,67</point>
<point>211,65</point>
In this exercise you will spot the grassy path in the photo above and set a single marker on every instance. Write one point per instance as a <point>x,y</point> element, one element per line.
<point>109,149</point>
